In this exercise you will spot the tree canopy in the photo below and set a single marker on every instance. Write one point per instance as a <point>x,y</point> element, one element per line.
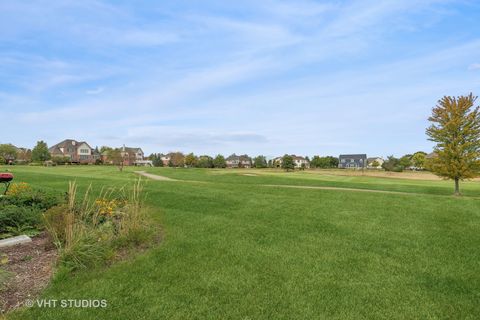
<point>8,152</point>
<point>219,161</point>
<point>260,162</point>
<point>324,162</point>
<point>190,160</point>
<point>40,152</point>
<point>455,128</point>
<point>288,163</point>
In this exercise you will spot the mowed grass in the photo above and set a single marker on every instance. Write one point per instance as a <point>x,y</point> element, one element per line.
<point>235,249</point>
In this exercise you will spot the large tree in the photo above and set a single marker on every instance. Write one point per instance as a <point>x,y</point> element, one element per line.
<point>40,152</point>
<point>455,129</point>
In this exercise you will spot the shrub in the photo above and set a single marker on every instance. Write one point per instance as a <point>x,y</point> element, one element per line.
<point>16,220</point>
<point>21,194</point>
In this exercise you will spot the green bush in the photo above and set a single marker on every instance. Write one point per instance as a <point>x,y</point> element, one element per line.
<point>16,220</point>
<point>39,199</point>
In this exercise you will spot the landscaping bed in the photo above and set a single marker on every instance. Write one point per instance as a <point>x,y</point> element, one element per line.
<point>28,268</point>
<point>69,234</point>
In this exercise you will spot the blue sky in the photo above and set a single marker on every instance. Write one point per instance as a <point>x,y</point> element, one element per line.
<point>258,77</point>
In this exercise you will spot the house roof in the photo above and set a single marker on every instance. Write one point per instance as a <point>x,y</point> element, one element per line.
<point>353,156</point>
<point>65,144</point>
<point>132,149</point>
<point>234,157</point>
<point>298,157</point>
<point>291,155</point>
<point>374,158</point>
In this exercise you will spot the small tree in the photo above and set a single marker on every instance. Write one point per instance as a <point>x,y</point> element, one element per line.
<point>40,152</point>
<point>156,159</point>
<point>177,159</point>
<point>205,162</point>
<point>117,158</point>
<point>375,164</point>
<point>219,161</point>
<point>8,152</point>
<point>392,164</point>
<point>405,161</point>
<point>288,163</point>
<point>190,160</point>
<point>418,159</point>
<point>260,162</point>
<point>456,130</point>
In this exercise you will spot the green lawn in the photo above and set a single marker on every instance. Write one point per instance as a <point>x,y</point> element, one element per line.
<point>235,249</point>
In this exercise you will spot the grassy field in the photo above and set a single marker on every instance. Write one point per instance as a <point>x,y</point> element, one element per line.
<point>235,248</point>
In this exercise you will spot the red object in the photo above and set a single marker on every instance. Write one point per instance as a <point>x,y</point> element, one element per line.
<point>6,177</point>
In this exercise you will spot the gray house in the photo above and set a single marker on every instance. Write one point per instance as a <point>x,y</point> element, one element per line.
<point>356,161</point>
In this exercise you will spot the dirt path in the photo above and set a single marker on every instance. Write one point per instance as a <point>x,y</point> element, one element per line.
<point>154,176</point>
<point>347,189</point>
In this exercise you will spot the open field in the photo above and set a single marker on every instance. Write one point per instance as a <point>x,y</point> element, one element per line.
<point>237,245</point>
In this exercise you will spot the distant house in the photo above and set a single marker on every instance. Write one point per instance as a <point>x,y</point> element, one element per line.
<point>165,159</point>
<point>242,161</point>
<point>24,155</point>
<point>131,155</point>
<point>75,151</point>
<point>356,161</point>
<point>299,161</point>
<point>370,162</point>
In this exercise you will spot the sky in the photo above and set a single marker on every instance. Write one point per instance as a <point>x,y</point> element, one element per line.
<point>257,77</point>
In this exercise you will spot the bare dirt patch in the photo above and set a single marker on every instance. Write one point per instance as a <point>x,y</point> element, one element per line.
<point>30,267</point>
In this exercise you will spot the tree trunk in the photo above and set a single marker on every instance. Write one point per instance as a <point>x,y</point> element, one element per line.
<point>457,187</point>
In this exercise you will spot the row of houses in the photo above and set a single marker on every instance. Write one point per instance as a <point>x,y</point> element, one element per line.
<point>81,152</point>
<point>244,161</point>
<point>359,161</point>
<point>356,161</point>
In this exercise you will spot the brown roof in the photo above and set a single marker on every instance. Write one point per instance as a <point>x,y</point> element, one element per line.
<point>65,144</point>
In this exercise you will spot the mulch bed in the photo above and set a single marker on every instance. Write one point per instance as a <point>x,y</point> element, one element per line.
<point>30,266</point>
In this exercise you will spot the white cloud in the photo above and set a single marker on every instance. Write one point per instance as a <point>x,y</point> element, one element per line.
<point>474,66</point>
